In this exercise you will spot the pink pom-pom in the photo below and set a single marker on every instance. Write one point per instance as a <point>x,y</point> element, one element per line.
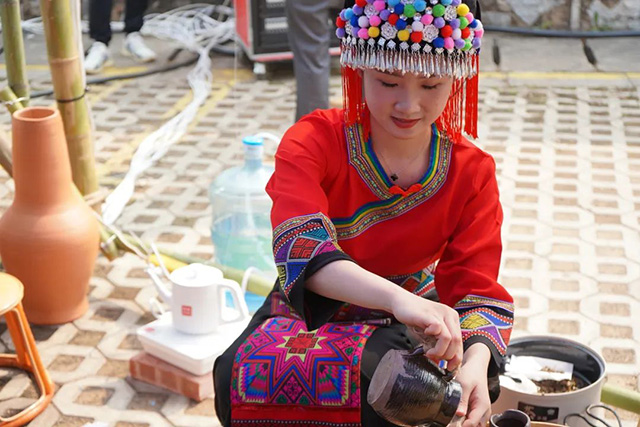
<point>479,33</point>
<point>427,19</point>
<point>448,43</point>
<point>470,17</point>
<point>379,5</point>
<point>363,33</point>
<point>375,21</point>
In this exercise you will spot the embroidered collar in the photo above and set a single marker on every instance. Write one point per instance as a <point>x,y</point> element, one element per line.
<point>391,203</point>
<point>364,160</point>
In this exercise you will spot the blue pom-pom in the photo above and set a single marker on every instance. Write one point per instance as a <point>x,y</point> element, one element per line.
<point>445,2</point>
<point>398,9</point>
<point>474,24</point>
<point>420,5</point>
<point>401,24</point>
<point>438,42</point>
<point>348,13</point>
<point>393,3</point>
<point>354,21</point>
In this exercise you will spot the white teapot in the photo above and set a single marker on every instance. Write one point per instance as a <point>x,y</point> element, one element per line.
<point>197,299</point>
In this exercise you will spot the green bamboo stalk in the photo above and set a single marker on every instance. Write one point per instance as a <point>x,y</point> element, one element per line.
<point>108,246</point>
<point>6,160</point>
<point>256,284</point>
<point>10,100</point>
<point>68,80</point>
<point>619,397</point>
<point>14,49</point>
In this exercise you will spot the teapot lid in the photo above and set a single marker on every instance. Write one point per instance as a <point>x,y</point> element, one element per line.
<point>196,275</point>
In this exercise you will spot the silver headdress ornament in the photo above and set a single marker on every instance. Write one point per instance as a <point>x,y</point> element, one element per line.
<point>435,37</point>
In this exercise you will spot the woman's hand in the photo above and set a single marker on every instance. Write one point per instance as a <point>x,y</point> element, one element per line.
<point>434,319</point>
<point>472,376</point>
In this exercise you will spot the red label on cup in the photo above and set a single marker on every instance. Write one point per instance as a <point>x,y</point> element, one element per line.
<point>186,310</point>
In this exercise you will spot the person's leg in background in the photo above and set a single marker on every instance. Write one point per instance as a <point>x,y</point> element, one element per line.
<point>134,44</point>
<point>100,31</point>
<point>309,37</point>
<point>100,20</point>
<point>134,14</point>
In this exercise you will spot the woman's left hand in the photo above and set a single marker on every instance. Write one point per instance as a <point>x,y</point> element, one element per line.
<point>475,404</point>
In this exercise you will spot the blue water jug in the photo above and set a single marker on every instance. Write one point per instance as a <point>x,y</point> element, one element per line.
<point>241,226</point>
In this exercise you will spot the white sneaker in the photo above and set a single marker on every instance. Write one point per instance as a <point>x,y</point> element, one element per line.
<point>96,59</point>
<point>135,47</point>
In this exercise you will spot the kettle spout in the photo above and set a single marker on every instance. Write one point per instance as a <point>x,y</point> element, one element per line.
<point>165,294</point>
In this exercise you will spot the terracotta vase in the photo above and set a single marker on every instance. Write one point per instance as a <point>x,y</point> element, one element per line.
<point>49,238</point>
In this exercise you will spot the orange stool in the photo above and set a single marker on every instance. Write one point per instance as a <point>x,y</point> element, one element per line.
<point>26,357</point>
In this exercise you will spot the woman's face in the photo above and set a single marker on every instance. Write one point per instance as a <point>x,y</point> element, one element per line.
<point>404,106</point>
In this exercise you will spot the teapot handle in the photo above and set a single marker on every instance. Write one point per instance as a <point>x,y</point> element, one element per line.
<point>238,300</point>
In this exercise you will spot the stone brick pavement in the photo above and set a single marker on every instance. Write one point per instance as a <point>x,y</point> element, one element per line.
<point>568,155</point>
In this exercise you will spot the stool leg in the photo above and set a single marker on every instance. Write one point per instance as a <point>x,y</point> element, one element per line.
<point>23,340</point>
<point>38,368</point>
<point>13,324</point>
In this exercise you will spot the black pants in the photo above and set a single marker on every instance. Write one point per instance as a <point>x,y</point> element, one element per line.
<point>100,17</point>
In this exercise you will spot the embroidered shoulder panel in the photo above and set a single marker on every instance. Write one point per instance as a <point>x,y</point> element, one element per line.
<point>488,318</point>
<point>296,241</point>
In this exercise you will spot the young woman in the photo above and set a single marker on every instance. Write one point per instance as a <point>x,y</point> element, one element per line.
<point>385,220</point>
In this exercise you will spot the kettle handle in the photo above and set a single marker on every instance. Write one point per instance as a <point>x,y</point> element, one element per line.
<point>238,300</point>
<point>165,294</point>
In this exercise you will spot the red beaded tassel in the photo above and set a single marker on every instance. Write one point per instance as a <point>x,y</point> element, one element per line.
<point>355,109</point>
<point>471,102</point>
<point>461,112</point>
<point>450,121</point>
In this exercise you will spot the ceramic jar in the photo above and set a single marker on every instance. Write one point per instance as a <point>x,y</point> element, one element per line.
<point>49,237</point>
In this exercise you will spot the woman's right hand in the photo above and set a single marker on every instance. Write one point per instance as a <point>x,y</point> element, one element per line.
<point>434,319</point>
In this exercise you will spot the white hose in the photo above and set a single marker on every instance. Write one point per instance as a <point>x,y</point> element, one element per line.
<point>193,29</point>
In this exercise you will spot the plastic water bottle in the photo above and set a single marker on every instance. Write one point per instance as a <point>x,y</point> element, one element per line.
<point>241,226</point>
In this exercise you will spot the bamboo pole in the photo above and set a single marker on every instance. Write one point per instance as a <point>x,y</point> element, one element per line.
<point>10,100</point>
<point>14,49</point>
<point>257,284</point>
<point>629,400</point>
<point>6,160</point>
<point>67,75</point>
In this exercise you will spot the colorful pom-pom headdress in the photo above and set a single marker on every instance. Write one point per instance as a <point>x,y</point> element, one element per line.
<point>432,37</point>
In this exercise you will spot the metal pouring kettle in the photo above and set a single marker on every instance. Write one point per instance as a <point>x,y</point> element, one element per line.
<point>408,389</point>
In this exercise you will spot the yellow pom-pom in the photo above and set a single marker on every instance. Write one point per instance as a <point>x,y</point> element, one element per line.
<point>463,9</point>
<point>403,35</point>
<point>374,32</point>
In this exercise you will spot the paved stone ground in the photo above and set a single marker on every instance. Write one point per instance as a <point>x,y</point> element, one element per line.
<point>568,154</point>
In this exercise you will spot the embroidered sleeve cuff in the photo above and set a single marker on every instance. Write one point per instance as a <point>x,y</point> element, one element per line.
<point>301,246</point>
<point>488,321</point>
